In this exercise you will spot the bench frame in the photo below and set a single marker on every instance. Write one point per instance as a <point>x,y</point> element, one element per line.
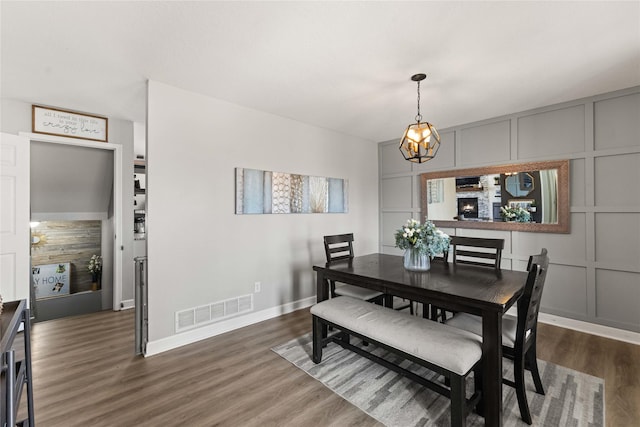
<point>456,392</point>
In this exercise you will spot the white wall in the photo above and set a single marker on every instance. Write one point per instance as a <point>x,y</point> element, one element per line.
<point>595,269</point>
<point>199,251</point>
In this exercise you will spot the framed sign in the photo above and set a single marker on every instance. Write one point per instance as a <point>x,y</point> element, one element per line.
<point>51,280</point>
<point>52,121</point>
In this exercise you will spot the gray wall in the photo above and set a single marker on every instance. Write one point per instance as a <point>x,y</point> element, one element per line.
<point>595,271</point>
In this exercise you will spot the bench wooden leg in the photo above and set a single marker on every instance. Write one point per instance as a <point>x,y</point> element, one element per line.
<point>317,339</point>
<point>477,385</point>
<point>458,402</point>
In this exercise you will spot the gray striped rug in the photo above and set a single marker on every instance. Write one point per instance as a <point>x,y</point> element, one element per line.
<point>572,398</point>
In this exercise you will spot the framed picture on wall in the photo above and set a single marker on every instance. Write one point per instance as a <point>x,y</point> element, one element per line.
<point>53,121</point>
<point>521,203</point>
<point>51,280</point>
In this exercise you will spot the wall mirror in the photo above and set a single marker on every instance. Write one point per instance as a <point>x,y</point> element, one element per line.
<point>523,196</point>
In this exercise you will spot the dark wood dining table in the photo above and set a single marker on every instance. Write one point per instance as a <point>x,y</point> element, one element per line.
<point>463,288</point>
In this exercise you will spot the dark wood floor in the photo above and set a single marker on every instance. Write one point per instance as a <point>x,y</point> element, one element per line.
<point>85,374</point>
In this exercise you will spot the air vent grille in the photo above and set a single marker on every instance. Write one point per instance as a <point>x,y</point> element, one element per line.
<point>213,312</point>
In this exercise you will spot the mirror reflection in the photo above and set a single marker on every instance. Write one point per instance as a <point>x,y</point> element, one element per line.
<point>516,194</point>
<point>529,197</point>
<point>519,184</point>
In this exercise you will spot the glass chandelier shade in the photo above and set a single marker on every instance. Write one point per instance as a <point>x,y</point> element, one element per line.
<point>421,140</point>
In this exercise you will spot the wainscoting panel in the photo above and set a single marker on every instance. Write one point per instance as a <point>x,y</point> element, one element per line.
<point>397,192</point>
<point>617,296</point>
<point>618,182</point>
<point>488,143</point>
<point>616,122</point>
<point>554,132</point>
<point>578,191</point>
<point>617,240</point>
<point>565,291</point>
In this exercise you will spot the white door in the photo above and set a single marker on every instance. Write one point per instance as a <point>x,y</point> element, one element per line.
<point>14,217</point>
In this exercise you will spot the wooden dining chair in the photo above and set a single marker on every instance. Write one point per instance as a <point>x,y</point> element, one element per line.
<point>339,247</point>
<point>480,251</point>
<point>519,334</point>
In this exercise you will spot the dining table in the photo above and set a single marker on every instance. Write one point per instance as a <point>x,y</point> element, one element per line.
<point>478,290</point>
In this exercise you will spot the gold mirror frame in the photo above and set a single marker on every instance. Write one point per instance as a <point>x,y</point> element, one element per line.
<point>562,226</point>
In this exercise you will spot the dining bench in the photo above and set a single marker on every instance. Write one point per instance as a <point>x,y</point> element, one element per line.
<point>448,351</point>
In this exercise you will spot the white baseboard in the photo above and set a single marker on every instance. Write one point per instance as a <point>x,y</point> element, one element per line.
<point>194,335</point>
<point>586,327</point>
<point>591,328</point>
<point>127,304</point>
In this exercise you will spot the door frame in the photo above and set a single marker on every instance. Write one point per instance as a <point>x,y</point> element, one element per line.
<point>117,199</point>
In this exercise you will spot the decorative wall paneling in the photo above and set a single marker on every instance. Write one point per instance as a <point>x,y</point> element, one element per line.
<point>595,273</point>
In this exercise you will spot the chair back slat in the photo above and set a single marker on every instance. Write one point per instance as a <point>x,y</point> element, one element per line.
<point>338,247</point>
<point>488,249</point>
<point>529,302</point>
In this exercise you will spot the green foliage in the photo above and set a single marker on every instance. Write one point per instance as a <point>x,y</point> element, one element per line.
<point>425,238</point>
<point>516,213</point>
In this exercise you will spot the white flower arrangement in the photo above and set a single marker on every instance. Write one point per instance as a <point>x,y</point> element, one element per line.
<point>95,264</point>
<point>515,213</point>
<point>426,238</point>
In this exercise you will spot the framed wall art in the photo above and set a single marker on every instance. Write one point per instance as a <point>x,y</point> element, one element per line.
<point>53,121</point>
<point>265,192</point>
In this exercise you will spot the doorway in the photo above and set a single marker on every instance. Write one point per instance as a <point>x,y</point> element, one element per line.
<point>75,191</point>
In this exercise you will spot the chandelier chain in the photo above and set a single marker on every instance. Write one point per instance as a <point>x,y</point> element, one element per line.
<point>418,116</point>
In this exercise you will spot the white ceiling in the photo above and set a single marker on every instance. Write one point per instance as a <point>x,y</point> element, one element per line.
<point>344,66</point>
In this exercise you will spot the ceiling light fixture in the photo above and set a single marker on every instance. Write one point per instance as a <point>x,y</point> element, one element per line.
<point>421,140</point>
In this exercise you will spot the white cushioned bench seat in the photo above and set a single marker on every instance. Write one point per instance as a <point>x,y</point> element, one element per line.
<point>451,348</point>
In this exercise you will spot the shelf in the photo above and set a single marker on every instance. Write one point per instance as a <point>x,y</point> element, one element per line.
<point>139,166</point>
<point>469,189</point>
<point>139,215</point>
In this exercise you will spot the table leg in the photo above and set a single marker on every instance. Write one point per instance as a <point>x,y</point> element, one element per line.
<point>492,368</point>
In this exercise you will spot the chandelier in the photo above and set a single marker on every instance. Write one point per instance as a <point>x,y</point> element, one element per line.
<point>421,140</point>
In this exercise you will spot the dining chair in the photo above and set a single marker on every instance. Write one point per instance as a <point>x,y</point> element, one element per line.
<point>339,247</point>
<point>480,251</point>
<point>519,334</point>
<point>485,252</point>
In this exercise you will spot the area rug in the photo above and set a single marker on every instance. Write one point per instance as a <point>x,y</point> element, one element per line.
<point>572,398</point>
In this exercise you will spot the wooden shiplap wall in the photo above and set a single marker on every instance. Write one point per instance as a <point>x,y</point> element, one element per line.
<point>68,241</point>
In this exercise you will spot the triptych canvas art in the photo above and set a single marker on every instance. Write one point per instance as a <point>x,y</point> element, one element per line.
<point>265,192</point>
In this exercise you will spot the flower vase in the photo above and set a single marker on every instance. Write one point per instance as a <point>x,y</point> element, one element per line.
<point>415,261</point>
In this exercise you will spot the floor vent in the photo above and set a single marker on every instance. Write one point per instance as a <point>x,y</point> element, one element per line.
<point>214,312</point>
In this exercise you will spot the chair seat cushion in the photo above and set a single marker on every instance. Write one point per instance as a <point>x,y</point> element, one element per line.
<point>357,292</point>
<point>471,323</point>
<point>448,347</point>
